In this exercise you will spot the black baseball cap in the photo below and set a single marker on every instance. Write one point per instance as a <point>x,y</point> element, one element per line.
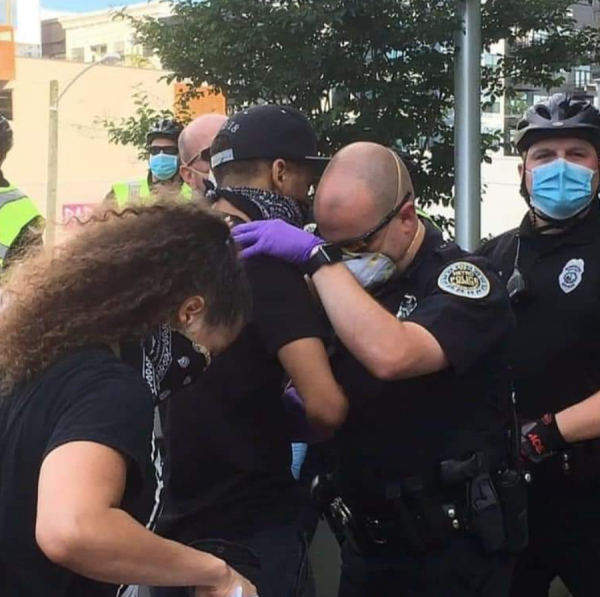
<point>266,132</point>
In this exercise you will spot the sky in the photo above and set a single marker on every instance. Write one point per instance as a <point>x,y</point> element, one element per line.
<point>84,5</point>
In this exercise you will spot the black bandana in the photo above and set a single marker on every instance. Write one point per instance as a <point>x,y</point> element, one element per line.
<point>266,204</point>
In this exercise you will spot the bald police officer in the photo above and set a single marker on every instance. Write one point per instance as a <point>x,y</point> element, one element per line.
<point>424,493</point>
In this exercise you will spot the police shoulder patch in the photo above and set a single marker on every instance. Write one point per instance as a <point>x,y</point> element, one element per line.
<point>464,279</point>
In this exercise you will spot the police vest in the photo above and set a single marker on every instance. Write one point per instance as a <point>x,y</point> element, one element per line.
<point>124,192</point>
<point>16,211</point>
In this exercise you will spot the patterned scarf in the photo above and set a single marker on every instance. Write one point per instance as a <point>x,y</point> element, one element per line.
<point>271,206</point>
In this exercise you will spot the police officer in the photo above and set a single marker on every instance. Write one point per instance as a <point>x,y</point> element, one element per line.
<point>163,173</point>
<point>424,491</point>
<point>551,266</point>
<point>21,223</point>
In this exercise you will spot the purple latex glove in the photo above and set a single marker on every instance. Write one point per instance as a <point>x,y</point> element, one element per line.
<point>277,239</point>
<point>300,428</point>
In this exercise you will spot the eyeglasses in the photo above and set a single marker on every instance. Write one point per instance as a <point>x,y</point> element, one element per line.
<point>360,243</point>
<point>167,149</point>
<point>203,155</point>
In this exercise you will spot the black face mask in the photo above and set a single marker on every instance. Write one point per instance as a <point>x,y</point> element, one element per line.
<point>167,360</point>
<point>264,205</point>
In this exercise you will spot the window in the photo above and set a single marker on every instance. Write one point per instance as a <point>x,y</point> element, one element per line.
<point>98,51</point>
<point>147,52</point>
<point>6,103</point>
<point>491,60</point>
<point>582,77</point>
<point>8,12</point>
<point>78,54</point>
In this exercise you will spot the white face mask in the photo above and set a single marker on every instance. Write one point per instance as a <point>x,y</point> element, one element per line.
<point>369,269</point>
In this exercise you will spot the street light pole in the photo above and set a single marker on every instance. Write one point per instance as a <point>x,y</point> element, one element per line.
<point>52,179</point>
<point>467,125</point>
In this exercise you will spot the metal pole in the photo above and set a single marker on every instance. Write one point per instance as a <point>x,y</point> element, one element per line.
<point>52,165</point>
<point>467,125</point>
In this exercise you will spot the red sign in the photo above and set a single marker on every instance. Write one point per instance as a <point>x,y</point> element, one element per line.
<point>80,211</point>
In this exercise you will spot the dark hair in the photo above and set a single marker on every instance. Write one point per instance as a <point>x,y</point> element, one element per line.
<point>118,277</point>
<point>239,172</point>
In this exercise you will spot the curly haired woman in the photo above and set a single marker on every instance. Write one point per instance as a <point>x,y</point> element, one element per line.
<point>76,421</point>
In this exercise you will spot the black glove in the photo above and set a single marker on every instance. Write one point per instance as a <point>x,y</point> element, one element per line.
<point>541,438</point>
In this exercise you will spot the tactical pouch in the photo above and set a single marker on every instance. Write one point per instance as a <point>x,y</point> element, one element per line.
<point>512,494</point>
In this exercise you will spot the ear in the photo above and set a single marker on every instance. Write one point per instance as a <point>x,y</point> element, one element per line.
<point>186,174</point>
<point>191,308</point>
<point>408,211</point>
<point>278,173</point>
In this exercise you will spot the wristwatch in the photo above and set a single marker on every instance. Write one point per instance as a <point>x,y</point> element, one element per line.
<point>323,255</point>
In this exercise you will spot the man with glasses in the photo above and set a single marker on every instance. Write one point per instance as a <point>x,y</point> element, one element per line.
<point>550,265</point>
<point>194,150</point>
<point>163,167</point>
<point>419,493</point>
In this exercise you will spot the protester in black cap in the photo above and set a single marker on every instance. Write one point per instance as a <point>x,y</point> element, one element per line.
<point>228,438</point>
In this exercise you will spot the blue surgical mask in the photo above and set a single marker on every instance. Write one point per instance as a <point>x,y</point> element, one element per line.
<point>164,166</point>
<point>561,189</point>
<point>369,269</point>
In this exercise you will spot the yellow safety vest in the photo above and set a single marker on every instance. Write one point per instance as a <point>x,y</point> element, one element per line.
<point>126,191</point>
<point>16,211</point>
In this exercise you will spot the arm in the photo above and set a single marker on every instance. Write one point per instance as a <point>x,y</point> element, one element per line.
<point>581,421</point>
<point>386,346</point>
<point>80,526</point>
<point>307,365</point>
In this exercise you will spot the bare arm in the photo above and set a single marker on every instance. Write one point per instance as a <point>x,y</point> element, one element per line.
<point>307,364</point>
<point>581,421</point>
<point>386,346</point>
<point>80,526</point>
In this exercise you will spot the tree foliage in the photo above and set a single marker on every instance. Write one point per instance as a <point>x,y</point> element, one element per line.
<point>377,70</point>
<point>133,129</point>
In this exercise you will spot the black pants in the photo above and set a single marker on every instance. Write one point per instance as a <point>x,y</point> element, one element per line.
<point>275,560</point>
<point>459,570</point>
<point>564,541</point>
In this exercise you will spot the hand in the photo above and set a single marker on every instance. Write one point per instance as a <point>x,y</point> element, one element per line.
<point>541,438</point>
<point>234,586</point>
<point>277,239</point>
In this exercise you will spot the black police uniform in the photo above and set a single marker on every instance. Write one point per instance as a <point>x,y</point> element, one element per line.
<point>412,531</point>
<point>556,360</point>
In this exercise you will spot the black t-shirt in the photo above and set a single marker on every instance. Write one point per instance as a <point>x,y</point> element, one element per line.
<point>555,354</point>
<point>88,395</point>
<point>227,438</point>
<point>404,428</point>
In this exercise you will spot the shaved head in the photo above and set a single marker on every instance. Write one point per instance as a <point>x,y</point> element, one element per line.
<point>363,182</point>
<point>198,135</point>
<point>195,138</point>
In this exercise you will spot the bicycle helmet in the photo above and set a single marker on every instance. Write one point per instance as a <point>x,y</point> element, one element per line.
<point>165,128</point>
<point>560,116</point>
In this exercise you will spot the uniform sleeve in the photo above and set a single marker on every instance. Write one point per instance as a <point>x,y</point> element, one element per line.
<point>467,311</point>
<point>283,308</point>
<point>109,405</point>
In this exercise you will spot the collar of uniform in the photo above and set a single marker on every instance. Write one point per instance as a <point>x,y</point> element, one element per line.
<point>432,241</point>
<point>582,232</point>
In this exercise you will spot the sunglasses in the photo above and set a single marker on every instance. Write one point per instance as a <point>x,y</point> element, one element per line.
<point>169,150</point>
<point>360,243</point>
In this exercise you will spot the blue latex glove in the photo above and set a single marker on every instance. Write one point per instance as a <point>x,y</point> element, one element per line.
<point>277,239</point>
<point>298,457</point>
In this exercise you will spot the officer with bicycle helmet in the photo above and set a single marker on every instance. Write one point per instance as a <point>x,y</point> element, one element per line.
<point>21,223</point>
<point>163,171</point>
<point>551,266</point>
